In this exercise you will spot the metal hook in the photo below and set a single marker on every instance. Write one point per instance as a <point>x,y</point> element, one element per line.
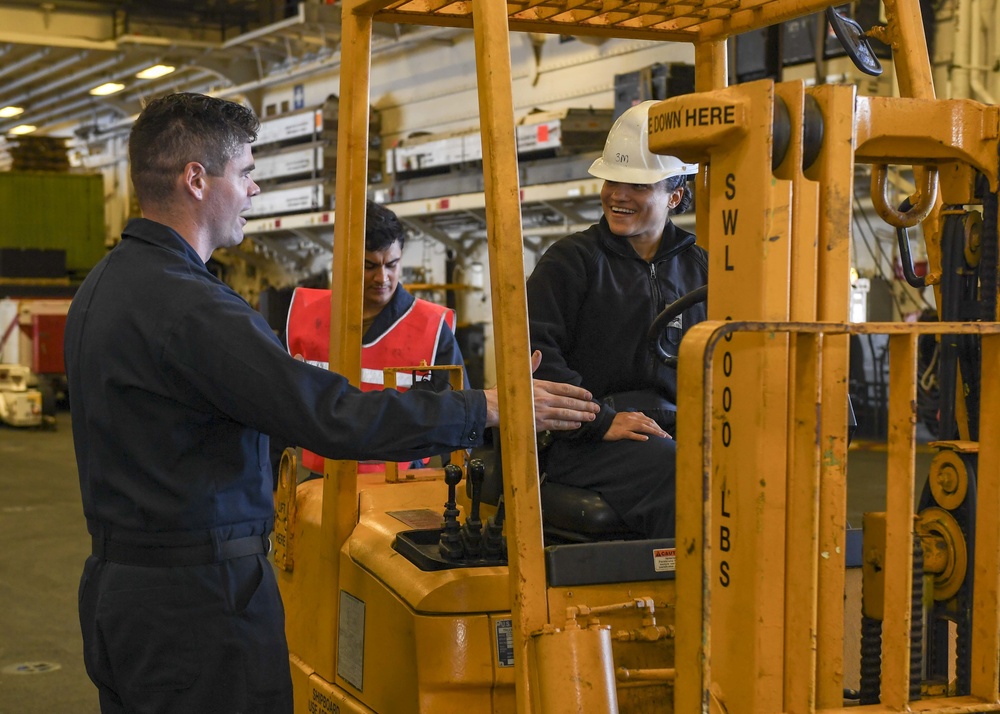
<point>923,201</point>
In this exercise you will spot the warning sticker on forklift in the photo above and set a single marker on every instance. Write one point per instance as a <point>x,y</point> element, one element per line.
<point>664,560</point>
<point>505,642</point>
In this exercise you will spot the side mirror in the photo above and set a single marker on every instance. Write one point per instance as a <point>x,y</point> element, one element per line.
<point>854,41</point>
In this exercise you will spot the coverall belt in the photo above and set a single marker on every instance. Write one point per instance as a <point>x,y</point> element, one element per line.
<point>165,556</point>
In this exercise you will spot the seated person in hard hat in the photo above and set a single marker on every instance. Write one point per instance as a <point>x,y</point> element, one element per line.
<point>399,329</point>
<point>591,300</point>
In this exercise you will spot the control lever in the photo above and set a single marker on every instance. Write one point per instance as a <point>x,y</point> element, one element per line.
<point>450,544</point>
<point>472,537</point>
<point>494,544</point>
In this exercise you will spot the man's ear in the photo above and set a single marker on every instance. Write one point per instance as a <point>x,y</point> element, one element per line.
<point>675,197</point>
<point>194,179</point>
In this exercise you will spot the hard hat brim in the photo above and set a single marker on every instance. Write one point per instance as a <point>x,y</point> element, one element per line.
<point>631,174</point>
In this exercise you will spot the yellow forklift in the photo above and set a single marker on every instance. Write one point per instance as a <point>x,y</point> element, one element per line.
<point>389,612</point>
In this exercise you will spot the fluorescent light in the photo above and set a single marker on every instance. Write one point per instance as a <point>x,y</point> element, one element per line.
<point>12,111</point>
<point>157,70</point>
<point>22,129</point>
<point>107,88</point>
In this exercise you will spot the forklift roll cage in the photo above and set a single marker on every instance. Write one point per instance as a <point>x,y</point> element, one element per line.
<point>770,639</point>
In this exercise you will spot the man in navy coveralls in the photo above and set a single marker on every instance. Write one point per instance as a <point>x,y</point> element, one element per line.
<point>175,384</point>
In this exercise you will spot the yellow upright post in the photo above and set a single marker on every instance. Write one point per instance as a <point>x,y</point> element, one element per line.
<point>986,598</point>
<point>340,489</point>
<point>749,228</point>
<point>711,70</point>
<point>895,689</point>
<point>510,325</point>
<point>695,564</point>
<point>834,170</point>
<point>802,488</point>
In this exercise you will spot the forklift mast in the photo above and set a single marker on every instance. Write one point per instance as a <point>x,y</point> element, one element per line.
<point>754,622</point>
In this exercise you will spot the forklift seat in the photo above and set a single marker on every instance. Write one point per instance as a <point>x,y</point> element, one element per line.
<point>576,515</point>
<point>569,514</point>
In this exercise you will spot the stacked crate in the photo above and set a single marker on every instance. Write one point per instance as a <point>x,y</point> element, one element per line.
<point>295,159</point>
<point>38,153</point>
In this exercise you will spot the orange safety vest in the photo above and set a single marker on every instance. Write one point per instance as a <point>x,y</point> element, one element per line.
<point>411,340</point>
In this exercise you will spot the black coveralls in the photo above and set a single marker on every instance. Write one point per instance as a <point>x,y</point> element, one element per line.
<point>591,300</point>
<point>175,383</point>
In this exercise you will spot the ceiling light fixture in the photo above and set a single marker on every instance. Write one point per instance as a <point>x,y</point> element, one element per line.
<point>11,111</point>
<point>107,88</point>
<point>157,70</point>
<point>22,129</point>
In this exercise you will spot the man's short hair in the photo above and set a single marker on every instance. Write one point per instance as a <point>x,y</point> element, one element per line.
<point>382,228</point>
<point>176,129</point>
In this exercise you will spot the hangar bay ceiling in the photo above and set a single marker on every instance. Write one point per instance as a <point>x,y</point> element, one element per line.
<point>53,55</point>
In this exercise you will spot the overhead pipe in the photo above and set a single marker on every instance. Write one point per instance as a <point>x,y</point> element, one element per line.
<point>128,72</point>
<point>76,76</point>
<point>332,62</point>
<point>35,116</point>
<point>979,90</point>
<point>44,72</point>
<point>63,109</point>
<point>993,53</point>
<point>326,64</point>
<point>303,71</point>
<point>961,57</point>
<point>25,61</point>
<point>184,75</point>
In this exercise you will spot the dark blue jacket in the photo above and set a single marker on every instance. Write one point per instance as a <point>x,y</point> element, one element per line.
<point>591,301</point>
<point>175,383</point>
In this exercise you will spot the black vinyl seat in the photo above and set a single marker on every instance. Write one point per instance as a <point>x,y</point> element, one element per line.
<point>569,514</point>
<point>576,515</point>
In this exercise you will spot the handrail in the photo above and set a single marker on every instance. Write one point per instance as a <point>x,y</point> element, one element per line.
<point>695,528</point>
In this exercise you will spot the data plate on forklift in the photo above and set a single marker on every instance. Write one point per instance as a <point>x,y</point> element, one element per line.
<point>505,642</point>
<point>418,518</point>
<point>351,643</point>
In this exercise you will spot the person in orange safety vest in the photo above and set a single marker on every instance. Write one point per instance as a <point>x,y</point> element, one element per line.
<point>399,330</point>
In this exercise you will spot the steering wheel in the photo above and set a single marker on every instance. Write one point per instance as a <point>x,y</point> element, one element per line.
<point>656,338</point>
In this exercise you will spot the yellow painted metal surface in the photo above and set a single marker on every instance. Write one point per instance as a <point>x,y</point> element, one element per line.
<point>285,502</point>
<point>986,599</point>
<point>668,20</point>
<point>510,319</point>
<point>573,669</point>
<point>873,566</point>
<point>441,624</point>
<point>750,222</point>
<point>945,551</point>
<point>949,478</point>
<point>762,414</point>
<point>455,381</point>
<point>642,638</point>
<point>699,685</point>
<point>833,171</point>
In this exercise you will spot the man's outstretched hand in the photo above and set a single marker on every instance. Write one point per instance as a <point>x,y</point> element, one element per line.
<point>558,406</point>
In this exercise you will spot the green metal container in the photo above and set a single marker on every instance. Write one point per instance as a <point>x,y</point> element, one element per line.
<point>54,211</point>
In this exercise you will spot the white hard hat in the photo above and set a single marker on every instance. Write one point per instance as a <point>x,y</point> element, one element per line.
<point>627,158</point>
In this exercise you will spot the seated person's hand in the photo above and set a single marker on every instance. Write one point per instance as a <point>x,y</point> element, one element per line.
<point>558,406</point>
<point>634,426</point>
